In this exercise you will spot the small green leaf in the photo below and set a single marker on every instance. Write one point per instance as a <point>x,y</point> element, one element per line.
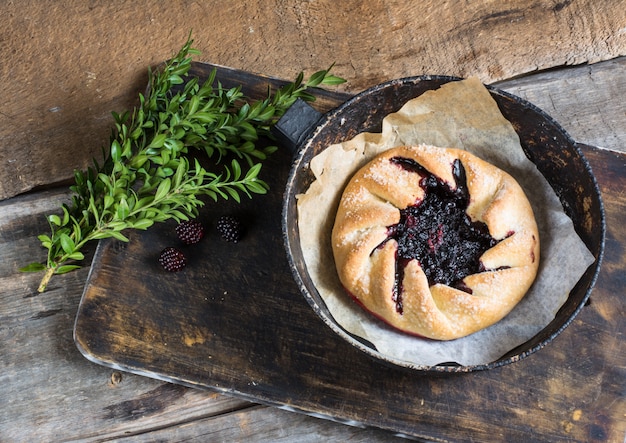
<point>194,103</point>
<point>116,151</point>
<point>33,267</point>
<point>333,80</point>
<point>158,141</point>
<point>163,189</point>
<point>180,172</point>
<point>138,131</point>
<point>244,110</point>
<point>67,244</point>
<point>177,215</point>
<point>210,193</point>
<point>165,172</point>
<point>253,172</point>
<point>235,169</point>
<point>122,209</point>
<point>267,113</point>
<point>143,224</point>
<point>78,256</point>
<point>101,235</point>
<point>66,268</point>
<point>270,149</point>
<point>128,150</point>
<point>258,187</point>
<point>316,78</point>
<point>66,215</point>
<point>54,219</point>
<point>138,161</point>
<point>204,117</point>
<point>248,131</point>
<point>117,226</point>
<point>176,79</point>
<point>297,82</point>
<point>43,238</point>
<point>306,97</point>
<point>78,235</point>
<point>119,236</point>
<point>144,201</point>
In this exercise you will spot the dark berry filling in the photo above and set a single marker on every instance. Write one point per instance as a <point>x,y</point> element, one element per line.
<point>438,232</point>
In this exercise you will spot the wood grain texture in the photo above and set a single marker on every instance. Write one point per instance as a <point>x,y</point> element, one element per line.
<point>262,424</point>
<point>42,372</point>
<point>56,109</point>
<point>582,98</point>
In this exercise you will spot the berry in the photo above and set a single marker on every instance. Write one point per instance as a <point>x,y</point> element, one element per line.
<point>190,231</point>
<point>172,259</point>
<point>230,228</point>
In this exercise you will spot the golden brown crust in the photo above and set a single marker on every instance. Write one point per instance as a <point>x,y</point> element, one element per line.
<point>372,201</point>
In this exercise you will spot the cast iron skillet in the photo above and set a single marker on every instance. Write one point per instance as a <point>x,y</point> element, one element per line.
<point>545,143</point>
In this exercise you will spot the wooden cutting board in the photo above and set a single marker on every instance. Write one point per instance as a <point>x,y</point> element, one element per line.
<point>234,321</point>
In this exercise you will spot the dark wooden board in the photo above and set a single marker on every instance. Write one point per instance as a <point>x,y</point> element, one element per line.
<point>234,321</point>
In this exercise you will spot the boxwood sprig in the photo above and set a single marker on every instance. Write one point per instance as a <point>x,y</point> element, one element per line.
<point>148,175</point>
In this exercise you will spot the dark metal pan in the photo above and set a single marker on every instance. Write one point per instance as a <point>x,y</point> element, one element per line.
<point>545,143</point>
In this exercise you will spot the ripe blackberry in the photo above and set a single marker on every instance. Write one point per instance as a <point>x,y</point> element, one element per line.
<point>230,228</point>
<point>172,259</point>
<point>190,231</point>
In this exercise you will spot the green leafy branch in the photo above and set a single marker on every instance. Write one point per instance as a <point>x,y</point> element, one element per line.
<point>148,175</point>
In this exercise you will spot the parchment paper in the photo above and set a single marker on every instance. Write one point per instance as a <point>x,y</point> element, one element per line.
<point>460,115</point>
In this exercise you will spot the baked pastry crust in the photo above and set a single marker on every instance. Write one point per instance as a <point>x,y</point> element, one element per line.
<point>366,256</point>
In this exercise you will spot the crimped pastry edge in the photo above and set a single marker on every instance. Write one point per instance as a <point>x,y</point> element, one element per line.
<point>372,200</point>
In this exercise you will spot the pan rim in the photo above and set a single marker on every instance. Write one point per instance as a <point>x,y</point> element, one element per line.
<point>305,285</point>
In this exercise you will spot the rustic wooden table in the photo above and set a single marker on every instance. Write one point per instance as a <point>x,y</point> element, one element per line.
<point>574,389</point>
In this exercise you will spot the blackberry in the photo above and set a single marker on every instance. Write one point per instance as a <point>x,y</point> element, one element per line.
<point>190,231</point>
<point>172,259</point>
<point>230,228</point>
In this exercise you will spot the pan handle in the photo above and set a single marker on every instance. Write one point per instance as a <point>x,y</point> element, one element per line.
<point>295,125</point>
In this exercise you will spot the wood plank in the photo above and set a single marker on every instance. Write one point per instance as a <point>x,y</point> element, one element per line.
<point>56,111</point>
<point>586,100</point>
<point>263,424</point>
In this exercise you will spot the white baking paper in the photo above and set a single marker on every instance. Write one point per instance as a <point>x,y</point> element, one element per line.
<point>459,115</point>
